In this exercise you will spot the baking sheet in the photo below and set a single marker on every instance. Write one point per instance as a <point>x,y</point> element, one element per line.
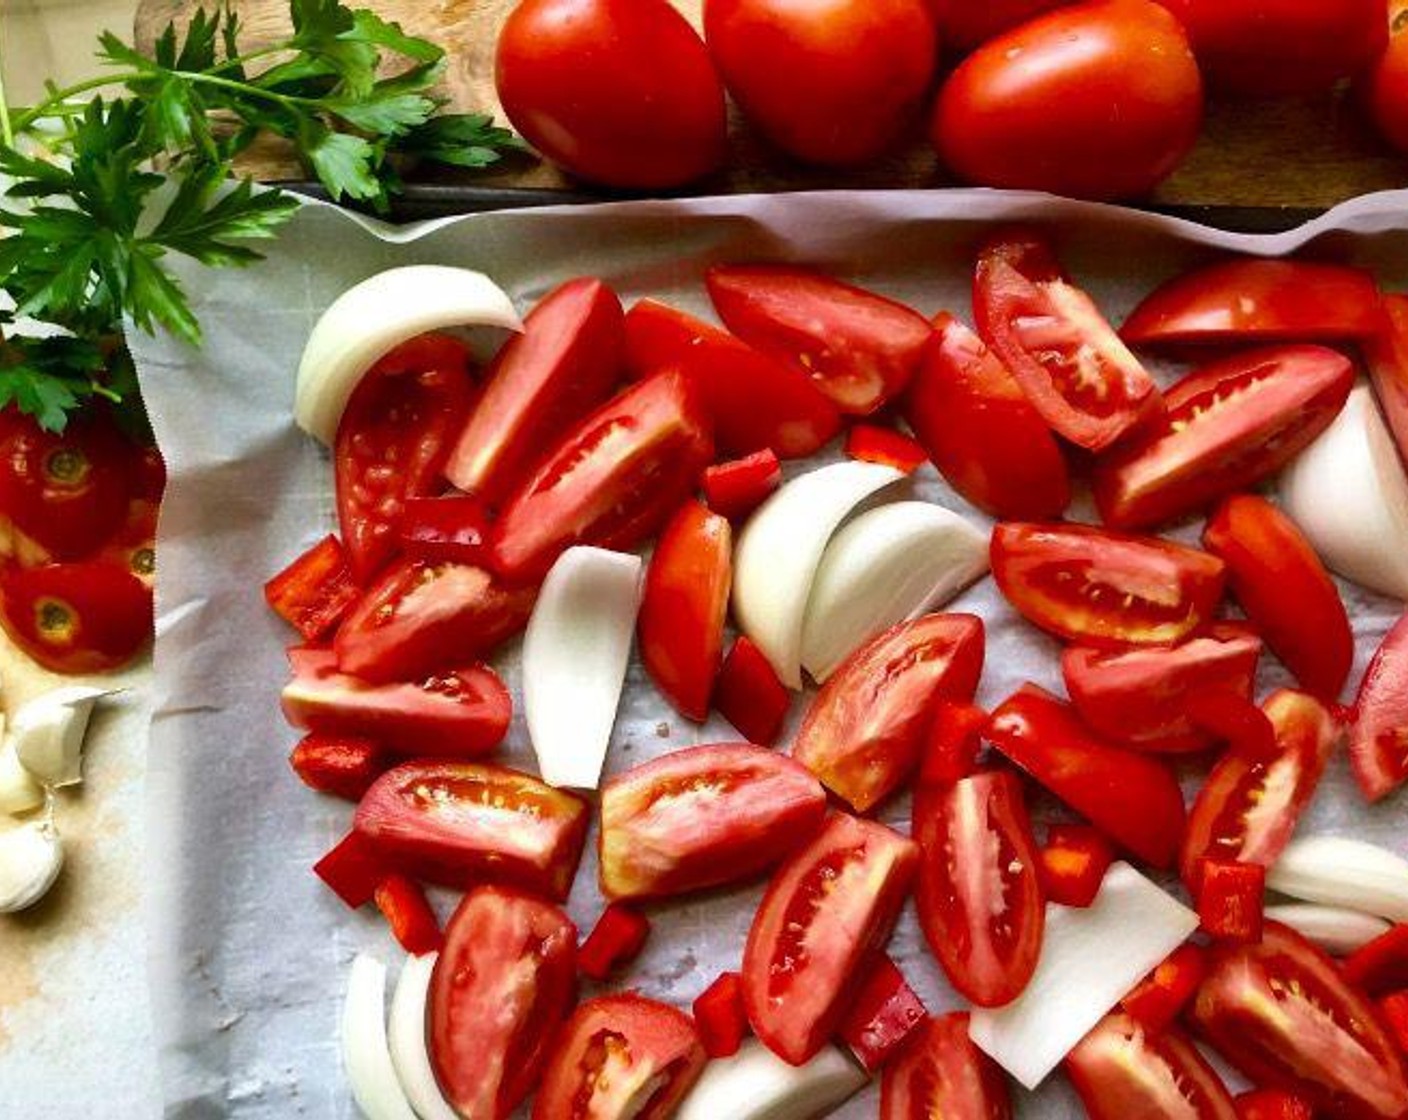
<point>248,951</point>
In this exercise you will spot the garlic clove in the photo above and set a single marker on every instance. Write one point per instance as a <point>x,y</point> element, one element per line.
<point>31,857</point>
<point>48,733</point>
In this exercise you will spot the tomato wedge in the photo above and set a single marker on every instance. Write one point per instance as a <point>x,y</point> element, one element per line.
<point>826,910</point>
<point>1378,743</point>
<point>1273,1104</point>
<point>1249,807</point>
<point>866,728</point>
<point>1069,361</point>
<point>500,990</point>
<point>756,401</point>
<point>1387,357</point>
<point>940,1073</point>
<point>871,443</point>
<point>90,616</point>
<point>393,440</point>
<point>460,823</point>
<point>975,422</point>
<point>315,590</point>
<point>451,529</point>
<point>1139,697</point>
<point>563,365</point>
<point>1131,798</point>
<point>612,480</point>
<point>1226,427</point>
<point>702,817</point>
<point>339,765</point>
<point>885,1013</point>
<point>1104,588</point>
<point>978,885</point>
<point>1159,999</point>
<point>1281,1014</point>
<point>736,488</point>
<point>859,348</point>
<point>1122,1070</point>
<point>681,623</point>
<point>621,1057</point>
<point>1251,300</point>
<point>458,713</point>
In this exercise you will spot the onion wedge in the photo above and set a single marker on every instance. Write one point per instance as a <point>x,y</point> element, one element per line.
<point>755,1084</point>
<point>1338,871</point>
<point>364,1051</point>
<point>48,733</point>
<point>406,1035</point>
<point>1337,930</point>
<point>31,857</point>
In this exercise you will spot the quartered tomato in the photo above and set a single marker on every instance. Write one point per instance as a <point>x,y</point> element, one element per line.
<point>1378,742</point>
<point>460,712</point>
<point>1131,798</point>
<point>500,990</point>
<point>1139,697</point>
<point>978,427</point>
<point>1255,300</point>
<point>92,616</point>
<point>827,909</point>
<point>864,731</point>
<point>1122,1071</point>
<point>460,823</point>
<point>393,440</point>
<point>621,1057</point>
<point>1249,807</point>
<point>859,348</point>
<point>1386,355</point>
<point>1226,427</point>
<point>1069,361</point>
<point>542,382</point>
<point>681,623</point>
<point>701,817</point>
<point>612,480</point>
<point>978,888</point>
<point>419,618</point>
<point>1107,589</point>
<point>1281,1014</point>
<point>940,1073</point>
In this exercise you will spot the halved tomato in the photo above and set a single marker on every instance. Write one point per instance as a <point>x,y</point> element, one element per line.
<point>859,348</point>
<point>1108,589</point>
<point>612,480</point>
<point>1378,742</point>
<point>940,1073</point>
<point>621,1057</point>
<point>701,817</point>
<point>980,430</point>
<point>827,909</point>
<point>1386,355</point>
<point>90,616</point>
<point>460,823</point>
<point>1122,1071</point>
<point>978,885</point>
<point>1226,427</point>
<point>755,401</point>
<point>1281,1014</point>
<point>1132,798</point>
<point>540,384</point>
<point>681,624</point>
<point>1249,807</point>
<point>864,732</point>
<point>502,985</point>
<point>457,713</point>
<point>1063,352</point>
<point>1255,300</point>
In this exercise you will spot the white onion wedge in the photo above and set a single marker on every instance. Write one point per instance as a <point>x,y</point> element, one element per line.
<point>755,1084</point>
<point>48,733</point>
<point>1338,871</point>
<point>886,565</point>
<point>20,791</point>
<point>1089,959</point>
<point>574,661</point>
<point>406,1034</point>
<point>779,550</point>
<point>1348,493</point>
<point>364,1050</point>
<point>379,314</point>
<point>31,857</point>
<point>1337,930</point>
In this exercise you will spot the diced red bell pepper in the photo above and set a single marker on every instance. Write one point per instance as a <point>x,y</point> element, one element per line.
<point>1073,864</point>
<point>749,694</point>
<point>736,488</point>
<point>955,737</point>
<point>1394,1009</point>
<point>407,911</point>
<point>353,869</point>
<point>1158,999</point>
<point>1235,720</point>
<point>616,940</point>
<point>449,530</point>
<point>1230,899</point>
<point>871,443</point>
<point>885,1012</point>
<point>1382,965</point>
<point>720,1017</point>
<point>337,764</point>
<point>1273,1104</point>
<point>316,590</point>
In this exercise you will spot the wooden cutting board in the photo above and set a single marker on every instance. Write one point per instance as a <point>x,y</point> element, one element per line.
<point>1311,152</point>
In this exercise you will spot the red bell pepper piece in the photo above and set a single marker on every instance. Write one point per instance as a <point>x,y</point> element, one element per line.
<point>315,591</point>
<point>886,1011</point>
<point>1158,999</point>
<point>1073,864</point>
<point>1273,1104</point>
<point>736,488</point>
<point>615,940</point>
<point>407,911</point>
<point>954,740</point>
<point>720,1017</point>
<point>1235,720</point>
<point>1382,965</point>
<point>871,443</point>
<point>1230,899</point>
<point>749,695</point>
<point>449,530</point>
<point>1394,1009</point>
<point>353,869</point>
<point>340,765</point>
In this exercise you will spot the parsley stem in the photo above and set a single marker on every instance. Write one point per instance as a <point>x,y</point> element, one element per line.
<point>7,132</point>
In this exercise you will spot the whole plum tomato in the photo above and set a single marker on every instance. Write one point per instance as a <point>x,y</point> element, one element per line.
<point>620,92</point>
<point>1383,88</point>
<point>965,24</point>
<point>88,617</point>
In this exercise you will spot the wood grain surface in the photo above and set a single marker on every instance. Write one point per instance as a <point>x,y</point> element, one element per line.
<point>1309,152</point>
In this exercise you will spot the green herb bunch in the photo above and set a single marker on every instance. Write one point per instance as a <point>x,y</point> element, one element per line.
<point>84,235</point>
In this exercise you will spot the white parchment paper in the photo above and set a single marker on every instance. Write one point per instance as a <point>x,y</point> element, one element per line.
<point>249,952</point>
